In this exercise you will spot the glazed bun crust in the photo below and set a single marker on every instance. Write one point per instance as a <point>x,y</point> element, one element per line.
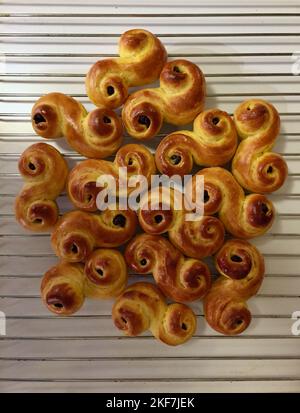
<point>78,233</point>
<point>62,288</point>
<point>178,100</point>
<point>105,274</point>
<point>242,270</point>
<point>182,279</point>
<point>244,216</point>
<point>45,172</point>
<point>97,134</point>
<point>141,60</point>
<point>254,166</point>
<point>212,142</point>
<point>142,307</point>
<point>196,238</point>
<point>82,181</point>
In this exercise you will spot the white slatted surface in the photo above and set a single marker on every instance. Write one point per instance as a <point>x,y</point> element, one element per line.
<point>245,49</point>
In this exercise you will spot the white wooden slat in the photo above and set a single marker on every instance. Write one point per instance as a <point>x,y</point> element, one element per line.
<point>146,346</point>
<point>163,26</point>
<point>191,6</point>
<point>175,45</point>
<point>153,386</point>
<point>149,369</point>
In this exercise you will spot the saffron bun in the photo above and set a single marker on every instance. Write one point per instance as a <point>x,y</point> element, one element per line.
<point>242,271</point>
<point>254,165</point>
<point>97,134</point>
<point>212,142</point>
<point>62,288</point>
<point>105,274</point>
<point>178,100</point>
<point>244,216</point>
<point>82,182</point>
<point>182,279</point>
<point>196,237</point>
<point>65,286</point>
<point>44,171</point>
<point>142,307</point>
<point>78,233</point>
<point>142,57</point>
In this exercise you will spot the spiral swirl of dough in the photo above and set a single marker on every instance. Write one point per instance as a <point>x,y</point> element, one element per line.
<point>62,288</point>
<point>178,100</point>
<point>197,239</point>
<point>242,270</point>
<point>82,188</point>
<point>142,307</point>
<point>97,134</point>
<point>78,233</point>
<point>182,279</point>
<point>45,172</point>
<point>244,216</point>
<point>106,274</point>
<point>65,285</point>
<point>141,60</point>
<point>213,142</point>
<point>254,166</point>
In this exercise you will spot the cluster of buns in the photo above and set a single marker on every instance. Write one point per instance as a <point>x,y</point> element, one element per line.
<point>173,248</point>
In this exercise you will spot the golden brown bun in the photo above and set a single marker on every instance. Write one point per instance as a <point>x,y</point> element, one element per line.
<point>105,274</point>
<point>78,233</point>
<point>141,60</point>
<point>242,270</point>
<point>254,166</point>
<point>182,279</point>
<point>81,185</point>
<point>178,100</point>
<point>212,142</point>
<point>243,216</point>
<point>65,285</point>
<point>45,172</point>
<point>197,239</point>
<point>62,288</point>
<point>142,307</point>
<point>97,134</point>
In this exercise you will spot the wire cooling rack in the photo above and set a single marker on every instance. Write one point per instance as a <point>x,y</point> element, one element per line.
<point>245,49</point>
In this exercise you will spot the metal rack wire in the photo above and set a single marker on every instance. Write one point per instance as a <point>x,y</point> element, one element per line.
<point>245,50</point>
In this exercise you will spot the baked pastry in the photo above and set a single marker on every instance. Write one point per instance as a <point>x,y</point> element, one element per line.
<point>81,185</point>
<point>212,142</point>
<point>243,216</point>
<point>62,288</point>
<point>97,134</point>
<point>65,285</point>
<point>254,166</point>
<point>242,270</point>
<point>198,238</point>
<point>105,274</point>
<point>178,100</point>
<point>141,60</point>
<point>142,307</point>
<point>45,172</point>
<point>78,233</point>
<point>182,279</point>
